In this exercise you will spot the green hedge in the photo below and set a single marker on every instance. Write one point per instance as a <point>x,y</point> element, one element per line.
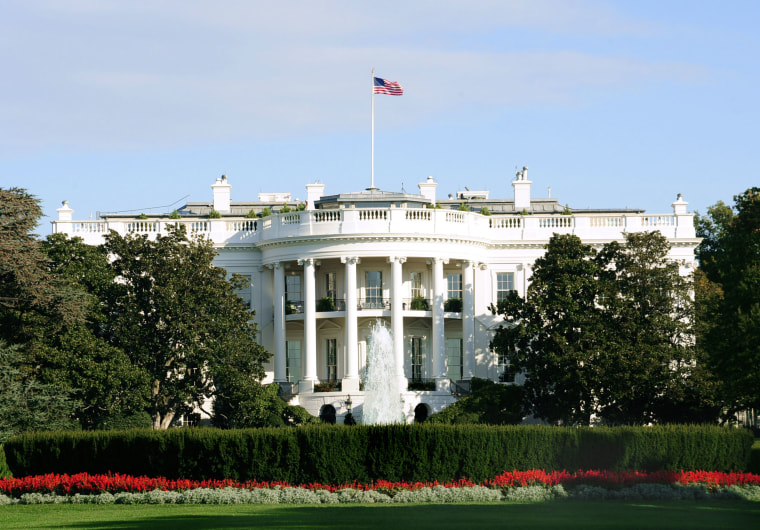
<point>338,454</point>
<point>4,469</point>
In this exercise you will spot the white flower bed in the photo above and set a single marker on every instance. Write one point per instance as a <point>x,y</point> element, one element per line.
<point>437,494</point>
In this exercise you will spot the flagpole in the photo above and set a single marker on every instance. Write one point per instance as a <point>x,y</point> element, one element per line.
<point>372,172</point>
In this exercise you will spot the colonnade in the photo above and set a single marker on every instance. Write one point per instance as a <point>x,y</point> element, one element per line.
<point>350,379</point>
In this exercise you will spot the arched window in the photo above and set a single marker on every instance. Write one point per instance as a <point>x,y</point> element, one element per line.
<point>327,414</point>
<point>420,413</point>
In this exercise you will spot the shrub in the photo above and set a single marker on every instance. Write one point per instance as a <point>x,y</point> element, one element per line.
<point>463,207</point>
<point>419,304</point>
<point>174,215</point>
<point>213,214</point>
<point>266,212</point>
<point>326,304</point>
<point>285,208</point>
<point>4,469</point>
<point>453,305</point>
<point>251,214</point>
<point>489,403</point>
<point>485,211</point>
<point>412,453</point>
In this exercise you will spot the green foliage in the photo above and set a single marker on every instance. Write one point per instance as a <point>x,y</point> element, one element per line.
<point>285,208</point>
<point>179,320</point>
<point>463,207</point>
<point>729,256</point>
<point>419,304</point>
<point>251,214</point>
<point>453,305</point>
<point>567,210</point>
<point>604,336</point>
<point>142,216</point>
<point>434,206</point>
<point>396,452</point>
<point>301,207</point>
<point>245,404</point>
<point>326,304</point>
<point>485,211</point>
<point>488,403</point>
<point>27,404</point>
<point>266,212</point>
<point>213,214</point>
<point>5,471</point>
<point>174,215</point>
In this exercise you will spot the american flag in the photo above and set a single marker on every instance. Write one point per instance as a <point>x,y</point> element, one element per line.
<point>383,86</point>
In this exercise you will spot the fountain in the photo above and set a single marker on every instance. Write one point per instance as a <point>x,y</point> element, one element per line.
<point>382,389</point>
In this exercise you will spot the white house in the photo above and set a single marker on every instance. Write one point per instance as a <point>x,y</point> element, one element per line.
<point>322,275</point>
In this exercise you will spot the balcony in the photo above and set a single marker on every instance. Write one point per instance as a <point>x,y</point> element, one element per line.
<point>324,223</point>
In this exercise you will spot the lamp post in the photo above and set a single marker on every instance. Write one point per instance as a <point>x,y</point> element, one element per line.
<point>349,418</point>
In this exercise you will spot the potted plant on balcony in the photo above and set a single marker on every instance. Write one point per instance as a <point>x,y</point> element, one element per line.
<point>326,304</point>
<point>290,307</point>
<point>419,304</point>
<point>453,305</point>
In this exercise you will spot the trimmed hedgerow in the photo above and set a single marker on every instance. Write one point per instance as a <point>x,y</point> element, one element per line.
<point>338,455</point>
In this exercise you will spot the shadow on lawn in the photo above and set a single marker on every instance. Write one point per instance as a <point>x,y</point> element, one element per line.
<point>560,514</point>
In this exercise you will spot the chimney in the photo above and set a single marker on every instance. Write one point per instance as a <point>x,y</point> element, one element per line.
<point>221,194</point>
<point>521,184</point>
<point>64,212</point>
<point>427,189</point>
<point>679,206</point>
<point>314,192</point>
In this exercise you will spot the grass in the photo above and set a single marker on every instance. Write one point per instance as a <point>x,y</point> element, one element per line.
<point>553,515</point>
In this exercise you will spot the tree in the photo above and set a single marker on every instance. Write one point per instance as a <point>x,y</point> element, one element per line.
<point>601,336</point>
<point>729,255</point>
<point>554,334</point>
<point>648,316</point>
<point>488,403</point>
<point>32,302</point>
<point>80,357</point>
<point>25,403</point>
<point>178,319</point>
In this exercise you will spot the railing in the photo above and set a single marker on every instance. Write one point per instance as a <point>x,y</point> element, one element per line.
<point>417,304</point>
<point>324,223</point>
<point>374,303</point>
<point>419,384</point>
<point>373,214</point>
<point>293,307</point>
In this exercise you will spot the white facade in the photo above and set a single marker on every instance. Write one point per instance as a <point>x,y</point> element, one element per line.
<point>382,255</point>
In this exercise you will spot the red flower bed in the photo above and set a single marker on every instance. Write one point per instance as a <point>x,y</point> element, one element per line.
<point>85,483</point>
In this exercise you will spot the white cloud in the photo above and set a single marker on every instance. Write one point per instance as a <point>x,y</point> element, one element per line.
<point>126,74</point>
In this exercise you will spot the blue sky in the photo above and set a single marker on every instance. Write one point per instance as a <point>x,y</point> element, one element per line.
<point>129,105</point>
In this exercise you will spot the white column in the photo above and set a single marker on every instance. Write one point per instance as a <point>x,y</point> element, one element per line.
<point>468,319</point>
<point>310,327</point>
<point>280,354</point>
<point>397,316</point>
<point>439,335</point>
<point>351,377</point>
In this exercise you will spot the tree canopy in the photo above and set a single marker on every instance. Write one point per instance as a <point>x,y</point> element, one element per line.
<point>602,335</point>
<point>729,256</point>
<point>178,319</point>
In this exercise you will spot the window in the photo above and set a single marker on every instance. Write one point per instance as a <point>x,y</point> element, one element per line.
<point>293,361</point>
<point>330,290</point>
<point>454,357</point>
<point>505,283</point>
<point>504,369</point>
<point>293,288</point>
<point>418,354</point>
<point>373,292</point>
<point>416,282</point>
<point>454,286</point>
<point>245,293</point>
<point>331,355</point>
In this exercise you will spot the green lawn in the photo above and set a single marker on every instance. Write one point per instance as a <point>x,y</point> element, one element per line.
<point>553,515</point>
